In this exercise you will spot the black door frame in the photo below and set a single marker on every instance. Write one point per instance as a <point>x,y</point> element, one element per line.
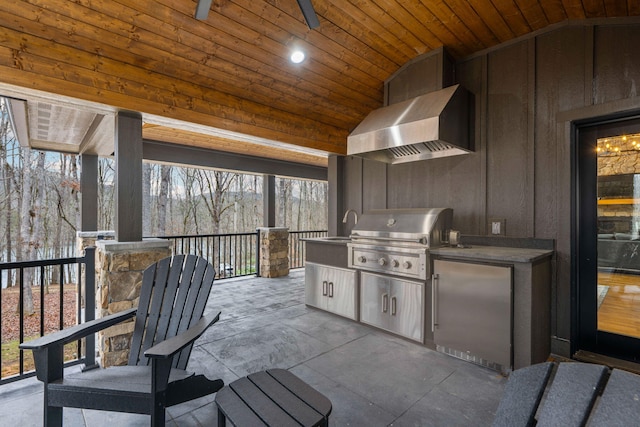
<point>584,327</point>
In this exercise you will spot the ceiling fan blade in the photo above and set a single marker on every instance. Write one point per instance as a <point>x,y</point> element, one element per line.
<point>309,13</point>
<point>202,9</point>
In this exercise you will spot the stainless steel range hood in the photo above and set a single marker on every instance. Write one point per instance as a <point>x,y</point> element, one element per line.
<point>429,126</point>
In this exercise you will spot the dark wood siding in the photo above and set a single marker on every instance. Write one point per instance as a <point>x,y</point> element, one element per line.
<point>508,145</point>
<point>563,79</point>
<point>526,95</point>
<point>616,63</point>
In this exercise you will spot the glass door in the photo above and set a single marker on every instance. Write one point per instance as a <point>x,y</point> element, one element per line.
<point>618,289</point>
<point>607,238</point>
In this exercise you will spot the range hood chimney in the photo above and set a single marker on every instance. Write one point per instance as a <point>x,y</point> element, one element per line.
<point>433,125</point>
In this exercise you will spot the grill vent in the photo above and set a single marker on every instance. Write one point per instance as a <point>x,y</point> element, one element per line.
<point>435,146</point>
<point>403,151</point>
<point>416,149</point>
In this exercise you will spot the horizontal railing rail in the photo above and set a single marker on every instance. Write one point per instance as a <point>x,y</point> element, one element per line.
<point>52,308</point>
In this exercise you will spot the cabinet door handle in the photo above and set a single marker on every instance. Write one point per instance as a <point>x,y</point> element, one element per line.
<point>385,303</point>
<point>330,289</point>
<point>434,296</point>
<point>324,288</point>
<point>393,305</point>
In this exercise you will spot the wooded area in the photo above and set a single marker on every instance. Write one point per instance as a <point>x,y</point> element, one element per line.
<point>40,201</point>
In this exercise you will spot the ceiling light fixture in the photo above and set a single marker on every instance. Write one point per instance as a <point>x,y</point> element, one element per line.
<point>297,56</point>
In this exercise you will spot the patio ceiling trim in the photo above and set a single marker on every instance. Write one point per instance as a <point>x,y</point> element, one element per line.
<point>193,156</point>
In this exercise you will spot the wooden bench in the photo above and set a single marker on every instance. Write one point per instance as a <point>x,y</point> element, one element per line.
<point>274,397</point>
<point>575,393</point>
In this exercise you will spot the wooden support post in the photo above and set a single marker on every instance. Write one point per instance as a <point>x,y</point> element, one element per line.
<point>269,200</point>
<point>336,186</point>
<point>89,190</point>
<point>128,152</point>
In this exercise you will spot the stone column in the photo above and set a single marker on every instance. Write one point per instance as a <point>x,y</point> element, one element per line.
<point>85,239</point>
<point>119,268</point>
<point>89,238</point>
<point>274,251</point>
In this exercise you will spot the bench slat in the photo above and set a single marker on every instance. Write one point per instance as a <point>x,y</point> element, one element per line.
<point>304,391</point>
<point>261,404</point>
<point>235,409</point>
<point>522,396</point>
<point>288,401</point>
<point>572,394</point>
<point>620,402</point>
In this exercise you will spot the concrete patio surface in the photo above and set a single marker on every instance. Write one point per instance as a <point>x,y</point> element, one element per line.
<point>371,377</point>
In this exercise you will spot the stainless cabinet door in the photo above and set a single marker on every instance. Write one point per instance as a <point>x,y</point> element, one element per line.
<point>406,309</point>
<point>374,300</point>
<point>472,309</point>
<point>314,286</point>
<point>341,293</point>
<point>392,304</point>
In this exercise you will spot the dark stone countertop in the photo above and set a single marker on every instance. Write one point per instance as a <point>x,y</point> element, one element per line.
<point>493,253</point>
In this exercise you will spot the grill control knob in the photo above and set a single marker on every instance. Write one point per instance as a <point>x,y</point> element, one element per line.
<point>362,259</point>
<point>382,261</point>
<point>406,265</point>
<point>395,263</point>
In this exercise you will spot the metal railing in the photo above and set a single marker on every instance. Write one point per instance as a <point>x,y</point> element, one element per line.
<point>297,248</point>
<point>232,255</point>
<point>48,297</point>
<point>238,254</point>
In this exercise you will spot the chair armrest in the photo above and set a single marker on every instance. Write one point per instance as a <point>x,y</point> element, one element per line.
<point>171,346</point>
<point>79,331</point>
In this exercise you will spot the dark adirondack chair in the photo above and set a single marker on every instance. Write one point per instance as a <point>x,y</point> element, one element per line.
<point>169,318</point>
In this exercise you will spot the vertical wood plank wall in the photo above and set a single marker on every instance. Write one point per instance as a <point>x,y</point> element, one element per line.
<point>521,167</point>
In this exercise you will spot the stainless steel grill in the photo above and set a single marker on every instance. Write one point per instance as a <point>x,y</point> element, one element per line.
<point>397,241</point>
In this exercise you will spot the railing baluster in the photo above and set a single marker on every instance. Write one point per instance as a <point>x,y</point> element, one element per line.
<point>21,312</point>
<point>1,291</point>
<point>41,304</point>
<point>61,302</point>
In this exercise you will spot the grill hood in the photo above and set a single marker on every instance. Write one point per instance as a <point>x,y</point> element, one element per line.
<point>429,126</point>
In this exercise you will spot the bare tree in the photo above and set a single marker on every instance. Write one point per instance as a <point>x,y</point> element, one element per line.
<point>146,199</point>
<point>190,202</point>
<point>28,213</point>
<point>6,141</point>
<point>214,188</point>
<point>163,196</point>
<point>105,194</point>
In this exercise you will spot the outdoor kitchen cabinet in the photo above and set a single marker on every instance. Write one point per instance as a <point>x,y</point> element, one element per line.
<point>392,304</point>
<point>471,311</point>
<point>332,289</point>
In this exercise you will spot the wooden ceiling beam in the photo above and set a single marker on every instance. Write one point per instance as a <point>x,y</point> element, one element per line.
<point>362,27</point>
<point>574,9</point>
<point>441,20</point>
<point>492,18</point>
<point>232,80</point>
<point>200,140</point>
<point>513,16</point>
<point>41,74</point>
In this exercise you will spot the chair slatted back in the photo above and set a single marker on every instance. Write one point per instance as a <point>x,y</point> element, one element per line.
<point>173,297</point>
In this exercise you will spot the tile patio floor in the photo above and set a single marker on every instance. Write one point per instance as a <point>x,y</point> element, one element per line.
<point>371,377</point>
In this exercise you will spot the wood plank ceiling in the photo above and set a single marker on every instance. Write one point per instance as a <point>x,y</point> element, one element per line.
<point>232,70</point>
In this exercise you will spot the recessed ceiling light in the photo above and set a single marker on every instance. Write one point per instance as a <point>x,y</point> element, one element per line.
<point>297,56</point>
